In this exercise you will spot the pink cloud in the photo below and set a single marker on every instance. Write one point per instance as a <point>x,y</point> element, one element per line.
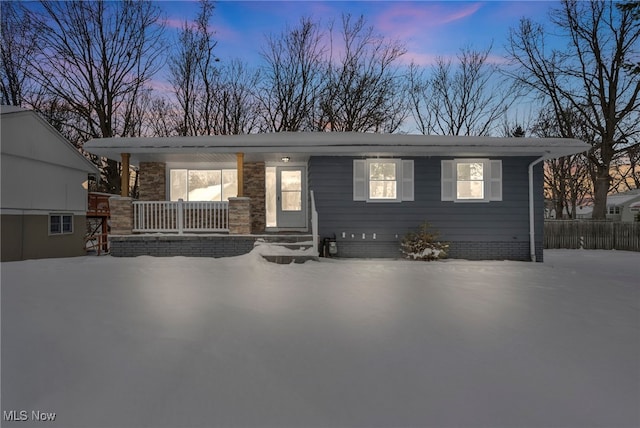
<point>428,59</point>
<point>418,58</point>
<point>407,20</point>
<point>221,32</point>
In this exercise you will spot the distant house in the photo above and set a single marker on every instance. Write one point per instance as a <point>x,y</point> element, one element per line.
<point>620,207</point>
<point>43,202</point>
<point>484,195</point>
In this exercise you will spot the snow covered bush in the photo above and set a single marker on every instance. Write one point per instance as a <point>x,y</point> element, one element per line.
<point>423,244</point>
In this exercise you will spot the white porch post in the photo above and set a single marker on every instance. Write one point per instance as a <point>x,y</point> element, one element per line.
<point>180,219</point>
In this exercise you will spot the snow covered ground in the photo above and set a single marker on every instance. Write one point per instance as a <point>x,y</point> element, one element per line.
<point>239,342</point>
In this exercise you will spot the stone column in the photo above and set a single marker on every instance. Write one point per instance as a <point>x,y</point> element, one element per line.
<point>254,188</point>
<point>153,181</point>
<point>121,215</point>
<point>240,216</point>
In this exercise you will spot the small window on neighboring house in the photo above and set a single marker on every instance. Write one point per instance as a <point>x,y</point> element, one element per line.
<point>382,180</point>
<point>60,224</point>
<point>614,209</point>
<point>471,180</point>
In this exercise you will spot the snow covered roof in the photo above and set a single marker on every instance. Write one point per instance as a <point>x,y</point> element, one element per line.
<point>623,198</point>
<point>25,134</point>
<point>10,109</point>
<point>332,143</point>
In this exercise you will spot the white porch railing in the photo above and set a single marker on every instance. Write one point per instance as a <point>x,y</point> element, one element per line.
<point>180,216</point>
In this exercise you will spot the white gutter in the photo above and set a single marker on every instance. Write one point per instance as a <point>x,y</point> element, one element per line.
<point>532,227</point>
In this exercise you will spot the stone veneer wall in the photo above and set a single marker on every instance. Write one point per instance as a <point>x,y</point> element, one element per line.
<point>254,188</point>
<point>153,181</point>
<point>240,216</point>
<point>121,215</point>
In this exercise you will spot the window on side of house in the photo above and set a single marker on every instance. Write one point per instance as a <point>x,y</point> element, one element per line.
<point>471,180</point>
<point>382,180</point>
<point>203,184</point>
<point>60,224</point>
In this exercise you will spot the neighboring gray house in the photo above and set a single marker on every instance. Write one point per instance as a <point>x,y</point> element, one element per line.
<point>482,194</point>
<point>624,206</point>
<point>43,202</point>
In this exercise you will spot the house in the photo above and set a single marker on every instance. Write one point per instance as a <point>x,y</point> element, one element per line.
<point>482,194</point>
<point>622,206</point>
<point>43,202</point>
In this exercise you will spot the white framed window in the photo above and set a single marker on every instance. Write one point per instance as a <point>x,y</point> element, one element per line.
<point>471,180</point>
<point>382,180</point>
<point>60,224</point>
<point>202,184</point>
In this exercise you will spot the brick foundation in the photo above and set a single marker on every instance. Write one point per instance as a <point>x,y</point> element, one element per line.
<point>457,250</point>
<point>254,188</point>
<point>153,181</point>
<point>180,245</point>
<point>121,215</point>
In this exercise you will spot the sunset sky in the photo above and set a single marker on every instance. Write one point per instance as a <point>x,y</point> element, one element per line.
<point>428,28</point>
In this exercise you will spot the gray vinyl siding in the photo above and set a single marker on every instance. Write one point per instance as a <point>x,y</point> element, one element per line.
<point>493,230</point>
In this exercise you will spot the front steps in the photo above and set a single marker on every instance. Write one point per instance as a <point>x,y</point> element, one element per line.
<point>286,249</point>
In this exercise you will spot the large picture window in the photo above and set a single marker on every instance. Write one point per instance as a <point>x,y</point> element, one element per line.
<point>203,184</point>
<point>471,180</point>
<point>382,180</point>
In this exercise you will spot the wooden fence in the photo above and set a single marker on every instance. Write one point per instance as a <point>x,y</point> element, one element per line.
<point>600,235</point>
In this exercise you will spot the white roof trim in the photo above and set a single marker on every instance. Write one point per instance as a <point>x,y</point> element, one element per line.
<point>338,143</point>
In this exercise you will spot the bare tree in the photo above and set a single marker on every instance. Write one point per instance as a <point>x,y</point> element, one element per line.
<point>626,170</point>
<point>590,77</point>
<point>363,89</point>
<point>96,57</point>
<point>292,77</point>
<point>465,97</point>
<point>17,52</point>
<point>163,118</point>
<point>185,78</point>
<point>235,109</point>
<point>566,179</point>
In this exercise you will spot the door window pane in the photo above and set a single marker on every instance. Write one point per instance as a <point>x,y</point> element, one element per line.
<point>291,201</point>
<point>291,190</point>
<point>291,180</point>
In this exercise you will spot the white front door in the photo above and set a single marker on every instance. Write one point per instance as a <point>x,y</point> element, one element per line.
<point>290,197</point>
